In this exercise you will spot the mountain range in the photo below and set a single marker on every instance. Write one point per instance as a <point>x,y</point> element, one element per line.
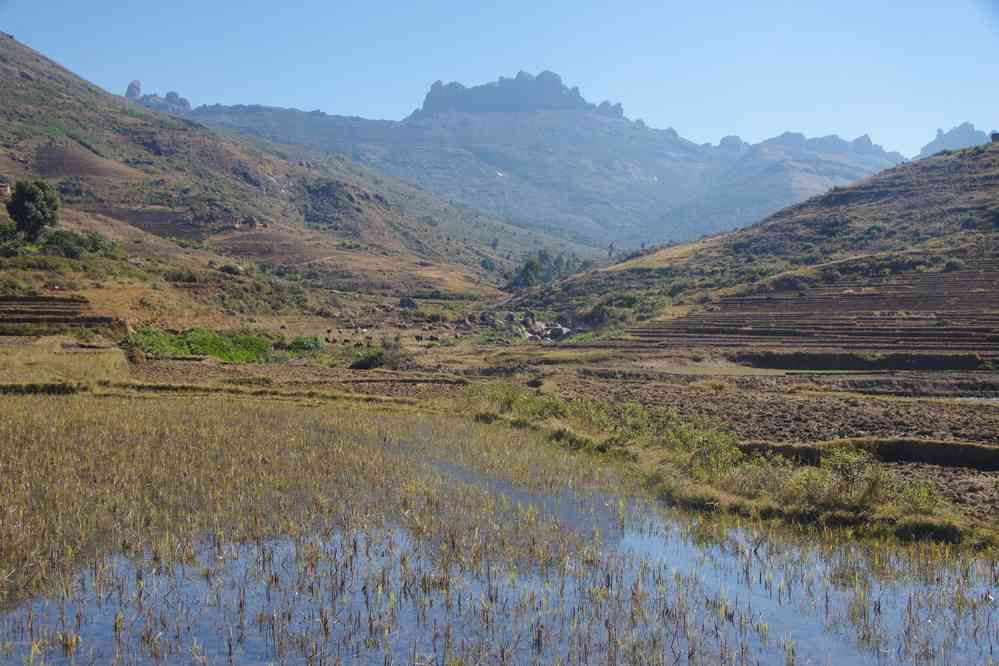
<point>126,169</point>
<point>534,151</point>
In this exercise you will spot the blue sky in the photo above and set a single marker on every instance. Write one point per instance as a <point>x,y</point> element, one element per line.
<point>894,70</point>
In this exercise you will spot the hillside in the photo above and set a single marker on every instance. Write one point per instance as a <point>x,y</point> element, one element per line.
<point>935,215</point>
<point>532,150</point>
<point>114,161</point>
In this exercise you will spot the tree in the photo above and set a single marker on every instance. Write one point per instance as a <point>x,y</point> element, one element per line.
<point>33,207</point>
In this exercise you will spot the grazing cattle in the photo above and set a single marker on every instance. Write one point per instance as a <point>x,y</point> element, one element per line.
<point>419,338</point>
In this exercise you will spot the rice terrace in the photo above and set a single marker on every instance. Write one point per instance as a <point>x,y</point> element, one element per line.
<point>517,379</point>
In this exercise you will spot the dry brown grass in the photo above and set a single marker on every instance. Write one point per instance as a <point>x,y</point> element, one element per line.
<point>57,359</point>
<point>76,487</point>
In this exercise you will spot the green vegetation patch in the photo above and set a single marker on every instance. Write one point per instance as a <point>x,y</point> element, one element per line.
<point>229,347</point>
<point>701,467</point>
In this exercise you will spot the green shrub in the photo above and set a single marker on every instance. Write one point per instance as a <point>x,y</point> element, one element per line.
<point>809,485</point>
<point>73,245</point>
<point>712,455</point>
<point>180,276</point>
<point>849,464</point>
<point>8,232</point>
<point>389,355</point>
<point>917,497</point>
<point>65,243</point>
<point>302,345</point>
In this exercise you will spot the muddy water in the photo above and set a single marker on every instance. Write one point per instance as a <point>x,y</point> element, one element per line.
<point>648,586</point>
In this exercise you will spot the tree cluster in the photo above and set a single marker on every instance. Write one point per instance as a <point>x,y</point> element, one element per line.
<point>545,267</point>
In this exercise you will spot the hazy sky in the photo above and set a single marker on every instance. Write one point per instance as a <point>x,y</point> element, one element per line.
<point>895,70</point>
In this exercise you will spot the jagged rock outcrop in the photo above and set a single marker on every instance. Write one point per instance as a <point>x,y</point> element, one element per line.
<point>173,103</point>
<point>963,136</point>
<point>544,92</point>
<point>732,145</point>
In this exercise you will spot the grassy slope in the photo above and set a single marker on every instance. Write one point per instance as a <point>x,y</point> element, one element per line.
<point>175,178</point>
<point>947,205</point>
<point>452,226</point>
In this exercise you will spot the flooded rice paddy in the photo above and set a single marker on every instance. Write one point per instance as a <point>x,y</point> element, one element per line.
<point>444,544</point>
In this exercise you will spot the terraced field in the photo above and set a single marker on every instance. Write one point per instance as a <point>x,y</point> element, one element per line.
<point>922,312</point>
<point>43,314</point>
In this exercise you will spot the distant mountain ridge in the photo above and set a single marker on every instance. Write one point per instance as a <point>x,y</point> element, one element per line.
<point>957,138</point>
<point>778,172</point>
<point>119,164</point>
<point>535,151</point>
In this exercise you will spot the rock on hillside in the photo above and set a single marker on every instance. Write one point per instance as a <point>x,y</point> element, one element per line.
<point>535,151</point>
<point>963,136</point>
<point>134,90</point>
<point>173,103</point>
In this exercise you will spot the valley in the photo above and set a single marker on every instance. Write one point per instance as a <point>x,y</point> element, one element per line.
<point>513,380</point>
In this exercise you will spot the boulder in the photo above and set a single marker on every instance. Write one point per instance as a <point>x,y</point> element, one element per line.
<point>407,303</point>
<point>538,328</point>
<point>134,90</point>
<point>557,332</point>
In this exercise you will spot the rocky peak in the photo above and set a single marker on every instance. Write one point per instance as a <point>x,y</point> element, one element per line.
<point>524,92</point>
<point>172,103</point>
<point>963,136</point>
<point>797,143</point>
<point>733,145</point>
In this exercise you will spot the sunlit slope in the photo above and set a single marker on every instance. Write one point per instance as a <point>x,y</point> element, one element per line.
<point>932,215</point>
<point>175,178</point>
